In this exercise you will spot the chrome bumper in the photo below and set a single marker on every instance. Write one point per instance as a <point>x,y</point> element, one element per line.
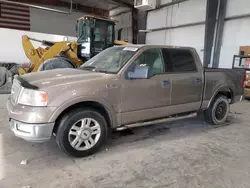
<point>32,132</point>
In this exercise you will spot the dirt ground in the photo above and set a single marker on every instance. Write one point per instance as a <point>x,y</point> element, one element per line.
<point>181,154</point>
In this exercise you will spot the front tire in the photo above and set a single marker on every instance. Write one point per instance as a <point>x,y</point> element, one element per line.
<point>218,111</point>
<point>82,132</point>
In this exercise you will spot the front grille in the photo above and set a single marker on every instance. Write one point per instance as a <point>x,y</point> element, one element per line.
<point>15,91</point>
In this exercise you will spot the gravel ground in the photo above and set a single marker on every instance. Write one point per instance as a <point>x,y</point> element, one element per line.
<point>181,154</point>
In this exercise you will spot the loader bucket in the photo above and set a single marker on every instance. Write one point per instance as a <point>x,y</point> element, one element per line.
<point>5,81</point>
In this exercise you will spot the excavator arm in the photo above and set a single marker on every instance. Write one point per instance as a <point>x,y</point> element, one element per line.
<point>40,55</point>
<point>31,53</point>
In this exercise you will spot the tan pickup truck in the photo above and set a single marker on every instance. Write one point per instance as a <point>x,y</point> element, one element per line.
<point>121,87</point>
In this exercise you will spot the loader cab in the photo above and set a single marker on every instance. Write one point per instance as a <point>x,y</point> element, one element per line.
<point>94,35</point>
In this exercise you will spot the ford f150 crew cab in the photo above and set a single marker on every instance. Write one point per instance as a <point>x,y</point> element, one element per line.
<point>119,88</point>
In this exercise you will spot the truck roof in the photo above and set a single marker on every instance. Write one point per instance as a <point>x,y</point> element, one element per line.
<point>156,46</point>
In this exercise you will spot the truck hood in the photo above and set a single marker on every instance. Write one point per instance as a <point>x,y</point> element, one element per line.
<point>61,77</point>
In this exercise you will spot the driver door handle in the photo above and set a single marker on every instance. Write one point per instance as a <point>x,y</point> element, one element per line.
<point>165,84</point>
<point>198,81</point>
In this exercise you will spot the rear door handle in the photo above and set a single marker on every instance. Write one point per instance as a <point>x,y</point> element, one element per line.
<point>165,83</point>
<point>197,81</point>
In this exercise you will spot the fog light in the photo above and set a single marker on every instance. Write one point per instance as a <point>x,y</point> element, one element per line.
<point>24,128</point>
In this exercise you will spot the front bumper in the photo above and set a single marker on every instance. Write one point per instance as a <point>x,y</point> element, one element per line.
<point>32,132</point>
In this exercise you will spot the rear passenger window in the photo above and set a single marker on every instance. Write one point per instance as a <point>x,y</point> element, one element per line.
<point>177,60</point>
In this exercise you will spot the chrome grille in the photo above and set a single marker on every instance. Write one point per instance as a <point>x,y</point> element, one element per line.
<point>15,91</point>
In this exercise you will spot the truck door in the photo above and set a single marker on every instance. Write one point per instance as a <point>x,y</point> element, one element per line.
<point>186,80</point>
<point>145,99</point>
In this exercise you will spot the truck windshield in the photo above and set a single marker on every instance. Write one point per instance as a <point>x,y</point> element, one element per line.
<point>110,60</point>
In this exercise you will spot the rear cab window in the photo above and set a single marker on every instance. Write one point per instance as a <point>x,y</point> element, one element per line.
<point>178,60</point>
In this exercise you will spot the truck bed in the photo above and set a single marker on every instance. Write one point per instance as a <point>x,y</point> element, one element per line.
<point>219,78</point>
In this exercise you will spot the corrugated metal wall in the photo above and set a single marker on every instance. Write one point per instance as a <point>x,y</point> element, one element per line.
<point>192,12</point>
<point>177,16</point>
<point>123,16</point>
<point>54,23</point>
<point>236,31</point>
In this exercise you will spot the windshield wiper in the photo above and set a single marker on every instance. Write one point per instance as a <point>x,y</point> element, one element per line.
<point>93,68</point>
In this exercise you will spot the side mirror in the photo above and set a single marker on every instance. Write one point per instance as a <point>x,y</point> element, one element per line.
<point>140,72</point>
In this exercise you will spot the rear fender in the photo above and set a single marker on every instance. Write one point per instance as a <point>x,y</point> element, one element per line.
<point>224,88</point>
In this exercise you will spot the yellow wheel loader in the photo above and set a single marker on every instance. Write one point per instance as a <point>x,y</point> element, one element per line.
<point>94,35</point>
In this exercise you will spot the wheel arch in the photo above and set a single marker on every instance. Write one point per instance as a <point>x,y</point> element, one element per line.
<point>223,90</point>
<point>103,109</point>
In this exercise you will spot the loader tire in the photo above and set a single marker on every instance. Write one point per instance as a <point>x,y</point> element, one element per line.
<point>56,63</point>
<point>3,75</point>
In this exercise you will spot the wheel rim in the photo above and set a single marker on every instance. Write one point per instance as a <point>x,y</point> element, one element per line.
<point>221,110</point>
<point>84,134</point>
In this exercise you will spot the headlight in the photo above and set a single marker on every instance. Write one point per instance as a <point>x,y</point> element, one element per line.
<point>31,97</point>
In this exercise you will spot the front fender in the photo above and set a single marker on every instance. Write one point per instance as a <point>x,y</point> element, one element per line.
<point>76,100</point>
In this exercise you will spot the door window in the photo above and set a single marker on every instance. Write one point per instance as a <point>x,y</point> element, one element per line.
<point>151,58</point>
<point>177,60</point>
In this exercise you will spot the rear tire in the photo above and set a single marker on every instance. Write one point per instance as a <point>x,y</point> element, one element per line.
<point>3,76</point>
<point>218,111</point>
<point>81,132</point>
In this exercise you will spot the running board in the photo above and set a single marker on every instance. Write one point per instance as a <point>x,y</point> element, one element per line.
<point>163,120</point>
